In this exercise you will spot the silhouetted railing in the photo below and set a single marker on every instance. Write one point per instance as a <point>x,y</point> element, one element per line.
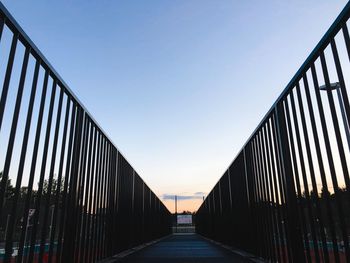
<point>66,193</point>
<point>286,196</point>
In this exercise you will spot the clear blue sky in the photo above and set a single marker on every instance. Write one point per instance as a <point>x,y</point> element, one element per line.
<point>179,86</point>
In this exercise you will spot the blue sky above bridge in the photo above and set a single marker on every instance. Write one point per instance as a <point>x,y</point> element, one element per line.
<point>178,85</point>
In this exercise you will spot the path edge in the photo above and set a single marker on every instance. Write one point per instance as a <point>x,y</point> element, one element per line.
<point>130,251</point>
<point>235,250</point>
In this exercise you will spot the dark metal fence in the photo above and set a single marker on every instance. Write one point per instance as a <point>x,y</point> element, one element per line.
<point>66,193</point>
<point>286,196</point>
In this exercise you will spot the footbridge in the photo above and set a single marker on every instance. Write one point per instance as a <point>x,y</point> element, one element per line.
<point>67,194</point>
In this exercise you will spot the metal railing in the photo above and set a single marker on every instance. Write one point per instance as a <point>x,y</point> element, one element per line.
<point>286,196</point>
<point>66,192</point>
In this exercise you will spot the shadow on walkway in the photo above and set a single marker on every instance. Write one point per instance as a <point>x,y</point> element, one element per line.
<point>183,248</point>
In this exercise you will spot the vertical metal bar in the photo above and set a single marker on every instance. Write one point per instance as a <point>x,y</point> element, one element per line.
<point>3,99</point>
<point>321,168</point>
<point>42,174</point>
<point>100,202</point>
<point>272,201</point>
<point>117,197</point>
<point>213,214</point>
<point>255,202</point>
<point>340,74</point>
<point>103,200</point>
<point>330,160</point>
<point>33,167</point>
<point>345,103</point>
<point>69,166</point>
<point>340,147</point>
<point>275,220</point>
<point>110,203</point>
<point>270,194</point>
<point>114,201</point>
<point>261,219</point>
<point>311,167</point>
<point>298,185</point>
<point>97,162</point>
<point>96,198</point>
<point>86,257</point>
<point>303,166</point>
<point>51,174</point>
<point>252,196</point>
<point>143,212</point>
<point>99,206</point>
<point>278,200</point>
<point>80,187</point>
<point>107,201</point>
<point>23,154</point>
<point>346,39</point>
<point>265,192</point>
<point>293,224</point>
<point>282,185</point>
<point>220,197</point>
<point>229,186</point>
<point>344,117</point>
<point>59,181</point>
<point>6,84</point>
<point>69,228</point>
<point>8,158</point>
<point>133,212</point>
<point>85,202</point>
<point>264,229</point>
<point>2,23</point>
<point>245,175</point>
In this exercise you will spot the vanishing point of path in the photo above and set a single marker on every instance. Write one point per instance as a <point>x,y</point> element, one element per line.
<point>182,249</point>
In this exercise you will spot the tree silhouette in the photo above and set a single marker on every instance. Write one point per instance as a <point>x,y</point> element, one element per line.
<point>9,189</point>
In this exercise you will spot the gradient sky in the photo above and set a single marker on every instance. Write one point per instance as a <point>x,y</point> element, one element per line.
<point>179,86</point>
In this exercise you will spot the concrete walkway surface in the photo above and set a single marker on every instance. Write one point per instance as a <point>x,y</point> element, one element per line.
<point>183,248</point>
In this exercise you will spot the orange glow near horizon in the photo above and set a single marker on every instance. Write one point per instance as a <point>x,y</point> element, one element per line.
<point>191,205</point>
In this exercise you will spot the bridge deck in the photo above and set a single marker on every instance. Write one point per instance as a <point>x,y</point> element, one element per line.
<point>183,248</point>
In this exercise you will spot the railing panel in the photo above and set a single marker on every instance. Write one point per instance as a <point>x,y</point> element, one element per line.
<point>66,192</point>
<point>296,166</point>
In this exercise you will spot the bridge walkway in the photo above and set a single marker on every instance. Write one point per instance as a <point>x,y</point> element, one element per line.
<point>183,248</point>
